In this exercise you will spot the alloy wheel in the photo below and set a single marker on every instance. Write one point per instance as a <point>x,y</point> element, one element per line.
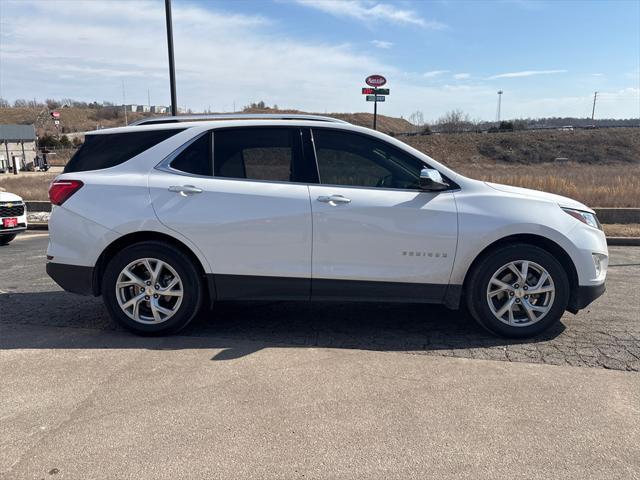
<point>149,291</point>
<point>521,293</point>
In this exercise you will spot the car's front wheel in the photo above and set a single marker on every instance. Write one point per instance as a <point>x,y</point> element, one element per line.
<point>518,291</point>
<point>152,288</point>
<point>5,239</point>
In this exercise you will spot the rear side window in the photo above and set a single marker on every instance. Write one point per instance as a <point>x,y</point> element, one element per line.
<point>255,153</point>
<point>111,149</point>
<point>196,158</point>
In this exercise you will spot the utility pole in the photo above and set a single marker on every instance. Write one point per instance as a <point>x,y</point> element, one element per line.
<point>172,65</point>
<point>499,106</point>
<point>593,110</point>
<point>124,105</point>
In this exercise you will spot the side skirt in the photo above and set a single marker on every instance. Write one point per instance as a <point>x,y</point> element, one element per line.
<point>247,287</point>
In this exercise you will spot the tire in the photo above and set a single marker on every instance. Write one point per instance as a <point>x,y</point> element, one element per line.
<point>531,313</point>
<point>183,299</point>
<point>5,239</point>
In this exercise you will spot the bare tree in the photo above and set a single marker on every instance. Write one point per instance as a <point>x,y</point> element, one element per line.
<point>455,121</point>
<point>417,119</point>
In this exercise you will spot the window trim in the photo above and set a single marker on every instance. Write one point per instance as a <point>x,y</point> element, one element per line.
<point>453,185</point>
<point>165,164</point>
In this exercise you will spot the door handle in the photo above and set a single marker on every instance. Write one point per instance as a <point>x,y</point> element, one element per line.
<point>333,199</point>
<point>185,190</point>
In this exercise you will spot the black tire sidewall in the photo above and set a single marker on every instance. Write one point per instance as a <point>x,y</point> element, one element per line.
<point>183,265</point>
<point>477,301</point>
<point>6,239</point>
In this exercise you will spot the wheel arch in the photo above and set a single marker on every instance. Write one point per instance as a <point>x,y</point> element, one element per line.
<point>541,242</point>
<point>147,236</point>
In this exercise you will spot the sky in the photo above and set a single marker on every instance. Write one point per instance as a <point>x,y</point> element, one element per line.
<point>547,56</point>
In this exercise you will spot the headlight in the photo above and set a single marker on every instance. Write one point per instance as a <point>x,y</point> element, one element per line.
<point>585,217</point>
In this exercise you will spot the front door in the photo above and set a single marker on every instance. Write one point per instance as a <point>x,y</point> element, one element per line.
<point>375,233</point>
<point>243,210</point>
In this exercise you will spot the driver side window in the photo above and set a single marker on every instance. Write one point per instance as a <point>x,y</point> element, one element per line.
<point>350,159</point>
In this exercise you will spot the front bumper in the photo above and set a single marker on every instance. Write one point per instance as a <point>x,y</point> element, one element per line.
<point>73,278</point>
<point>12,231</point>
<point>584,295</point>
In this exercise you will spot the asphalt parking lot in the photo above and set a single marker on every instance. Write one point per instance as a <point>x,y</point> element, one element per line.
<point>605,335</point>
<point>298,390</point>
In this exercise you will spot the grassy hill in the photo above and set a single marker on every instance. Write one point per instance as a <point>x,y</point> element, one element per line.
<point>86,119</point>
<point>600,167</point>
<point>587,147</point>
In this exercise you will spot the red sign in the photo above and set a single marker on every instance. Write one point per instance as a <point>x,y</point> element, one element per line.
<point>368,91</point>
<point>375,80</point>
<point>55,114</point>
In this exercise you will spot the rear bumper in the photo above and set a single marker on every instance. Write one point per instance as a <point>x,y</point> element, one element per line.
<point>72,278</point>
<point>584,295</point>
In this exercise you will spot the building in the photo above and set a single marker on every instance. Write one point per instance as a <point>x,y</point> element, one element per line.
<point>18,143</point>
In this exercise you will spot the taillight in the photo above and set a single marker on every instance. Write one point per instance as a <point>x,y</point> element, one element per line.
<point>61,190</point>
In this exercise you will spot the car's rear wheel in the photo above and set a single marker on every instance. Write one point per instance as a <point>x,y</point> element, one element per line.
<point>152,289</point>
<point>518,291</point>
<point>5,239</point>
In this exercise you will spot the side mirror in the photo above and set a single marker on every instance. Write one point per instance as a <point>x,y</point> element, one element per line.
<point>431,180</point>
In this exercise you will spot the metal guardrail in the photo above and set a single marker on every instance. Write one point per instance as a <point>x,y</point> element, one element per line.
<point>605,215</point>
<point>235,116</point>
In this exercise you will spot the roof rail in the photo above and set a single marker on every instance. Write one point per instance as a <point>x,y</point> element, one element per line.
<point>234,116</point>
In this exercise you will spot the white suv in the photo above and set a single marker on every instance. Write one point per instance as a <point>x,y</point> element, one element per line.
<point>13,217</point>
<point>172,214</point>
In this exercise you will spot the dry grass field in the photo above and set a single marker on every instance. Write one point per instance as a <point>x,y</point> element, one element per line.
<point>622,230</point>
<point>613,185</point>
<point>594,185</point>
<point>29,185</point>
<point>598,167</point>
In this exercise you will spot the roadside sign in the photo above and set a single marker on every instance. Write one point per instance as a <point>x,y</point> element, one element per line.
<point>55,114</point>
<point>375,80</point>
<point>375,98</point>
<point>375,91</point>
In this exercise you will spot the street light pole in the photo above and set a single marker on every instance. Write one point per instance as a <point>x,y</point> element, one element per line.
<point>375,112</point>
<point>172,65</point>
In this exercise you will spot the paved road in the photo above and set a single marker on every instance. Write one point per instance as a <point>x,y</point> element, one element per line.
<point>606,334</point>
<point>311,391</point>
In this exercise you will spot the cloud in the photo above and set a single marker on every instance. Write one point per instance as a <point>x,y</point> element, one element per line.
<point>597,74</point>
<point>434,73</point>
<point>368,11</point>
<point>382,43</point>
<point>461,76</point>
<point>526,73</point>
<point>222,58</point>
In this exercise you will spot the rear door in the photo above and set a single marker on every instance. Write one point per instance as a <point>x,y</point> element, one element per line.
<point>243,207</point>
<point>375,233</point>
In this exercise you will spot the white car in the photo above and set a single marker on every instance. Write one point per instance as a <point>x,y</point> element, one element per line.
<point>169,215</point>
<point>13,217</point>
